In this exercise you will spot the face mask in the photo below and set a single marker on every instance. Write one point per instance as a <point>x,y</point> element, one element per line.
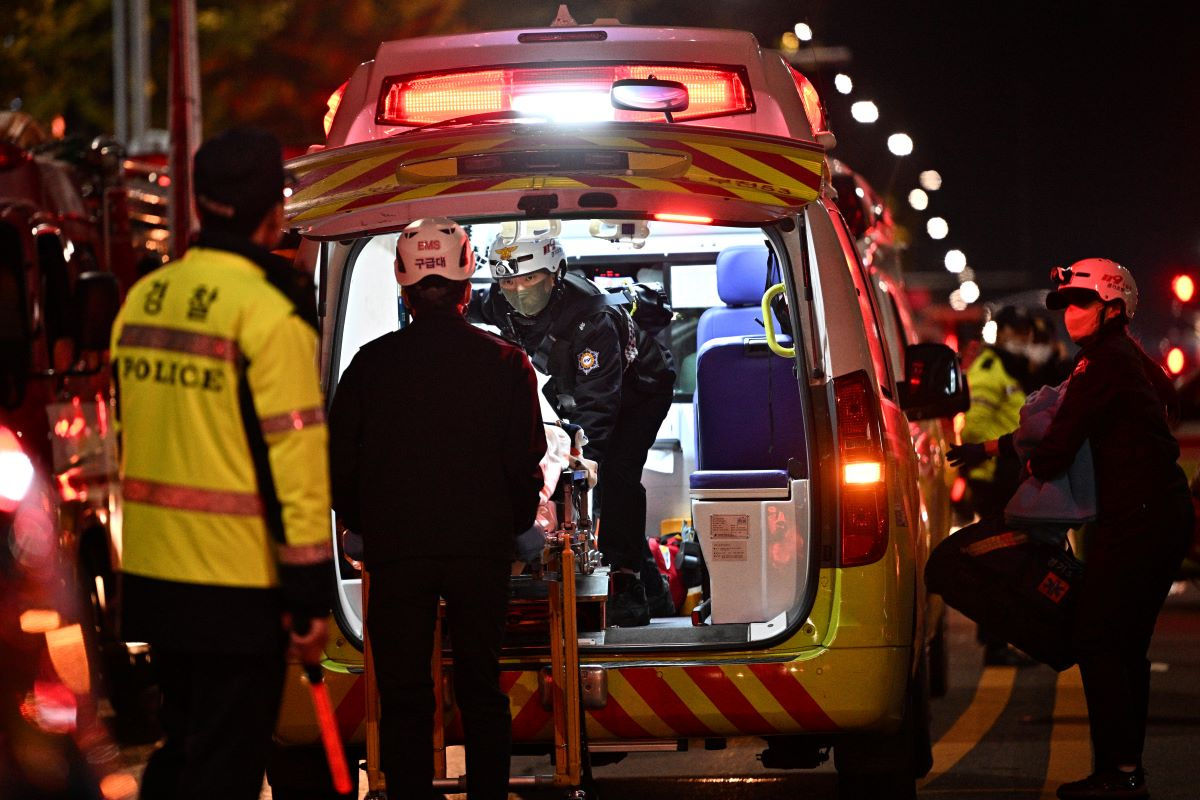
<point>528,300</point>
<point>1039,354</point>
<point>1082,322</point>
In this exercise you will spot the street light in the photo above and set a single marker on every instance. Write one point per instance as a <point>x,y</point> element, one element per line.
<point>864,111</point>
<point>918,199</point>
<point>956,261</point>
<point>937,228</point>
<point>930,180</point>
<point>900,144</point>
<point>969,291</point>
<point>842,83</point>
<point>803,32</point>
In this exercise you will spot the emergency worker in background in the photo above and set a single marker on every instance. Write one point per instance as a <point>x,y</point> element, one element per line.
<point>995,379</point>
<point>607,376</point>
<point>225,479</point>
<point>1049,362</point>
<point>439,494</point>
<point>1120,401</point>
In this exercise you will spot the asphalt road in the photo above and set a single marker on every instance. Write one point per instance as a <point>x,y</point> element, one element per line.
<point>1000,732</point>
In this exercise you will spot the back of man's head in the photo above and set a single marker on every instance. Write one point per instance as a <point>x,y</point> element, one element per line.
<point>435,293</point>
<point>238,177</point>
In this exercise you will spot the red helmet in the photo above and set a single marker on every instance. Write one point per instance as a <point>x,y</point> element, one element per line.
<point>1100,276</point>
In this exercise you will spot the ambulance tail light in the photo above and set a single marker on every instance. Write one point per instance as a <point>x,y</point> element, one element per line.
<point>12,155</point>
<point>571,93</point>
<point>814,110</point>
<point>332,104</point>
<point>863,488</point>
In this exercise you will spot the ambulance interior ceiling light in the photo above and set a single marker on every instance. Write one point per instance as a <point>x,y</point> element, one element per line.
<point>573,93</point>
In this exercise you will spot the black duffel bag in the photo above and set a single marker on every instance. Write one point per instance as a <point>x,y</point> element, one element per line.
<point>1017,587</point>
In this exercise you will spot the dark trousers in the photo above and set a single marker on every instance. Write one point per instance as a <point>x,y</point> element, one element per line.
<point>620,496</point>
<point>401,613</point>
<point>1128,569</point>
<point>218,715</point>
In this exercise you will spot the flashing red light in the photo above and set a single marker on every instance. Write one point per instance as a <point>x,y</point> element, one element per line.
<point>864,514</point>
<point>1184,287</point>
<point>423,99</point>
<point>1176,361</point>
<point>695,219</point>
<point>814,109</point>
<point>11,155</point>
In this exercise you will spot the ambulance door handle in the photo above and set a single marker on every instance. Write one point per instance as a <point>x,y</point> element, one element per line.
<point>769,323</point>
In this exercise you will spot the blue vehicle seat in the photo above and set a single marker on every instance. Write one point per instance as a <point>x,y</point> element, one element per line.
<point>741,280</point>
<point>749,419</point>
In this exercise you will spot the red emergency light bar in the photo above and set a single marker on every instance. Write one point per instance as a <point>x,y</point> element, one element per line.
<point>426,98</point>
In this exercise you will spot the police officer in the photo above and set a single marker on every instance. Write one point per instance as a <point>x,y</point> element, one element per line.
<point>439,496</point>
<point>227,543</point>
<point>1118,399</point>
<point>605,375</point>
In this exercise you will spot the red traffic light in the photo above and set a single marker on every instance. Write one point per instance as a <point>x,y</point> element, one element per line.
<point>1175,361</point>
<point>1184,287</point>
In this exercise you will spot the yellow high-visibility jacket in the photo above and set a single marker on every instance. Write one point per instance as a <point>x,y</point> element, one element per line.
<point>996,400</point>
<point>215,371</point>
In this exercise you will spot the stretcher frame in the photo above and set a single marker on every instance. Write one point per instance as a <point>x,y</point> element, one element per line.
<point>571,769</point>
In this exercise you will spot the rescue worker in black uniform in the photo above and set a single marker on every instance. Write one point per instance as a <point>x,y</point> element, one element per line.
<point>1119,400</point>
<point>439,497</point>
<point>607,376</point>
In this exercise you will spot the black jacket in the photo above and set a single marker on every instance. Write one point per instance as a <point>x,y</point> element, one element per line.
<point>1118,399</point>
<point>608,360</point>
<point>416,467</point>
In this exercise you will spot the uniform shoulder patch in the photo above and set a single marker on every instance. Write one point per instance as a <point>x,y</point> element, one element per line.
<point>588,360</point>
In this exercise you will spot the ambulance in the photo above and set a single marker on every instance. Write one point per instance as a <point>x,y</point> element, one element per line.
<point>695,159</point>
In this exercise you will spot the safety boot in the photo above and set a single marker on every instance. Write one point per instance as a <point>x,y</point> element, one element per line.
<point>627,607</point>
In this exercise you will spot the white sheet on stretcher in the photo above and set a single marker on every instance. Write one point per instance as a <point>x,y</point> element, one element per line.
<point>561,454</point>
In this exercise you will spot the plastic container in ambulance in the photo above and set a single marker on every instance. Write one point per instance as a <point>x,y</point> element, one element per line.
<point>696,159</point>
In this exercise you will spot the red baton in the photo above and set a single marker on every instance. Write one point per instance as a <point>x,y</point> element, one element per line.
<point>329,729</point>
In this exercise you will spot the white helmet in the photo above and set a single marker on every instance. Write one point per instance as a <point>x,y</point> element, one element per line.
<point>1108,279</point>
<point>508,258</point>
<point>436,246</point>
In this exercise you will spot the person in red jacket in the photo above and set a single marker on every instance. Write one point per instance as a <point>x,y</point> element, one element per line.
<point>439,494</point>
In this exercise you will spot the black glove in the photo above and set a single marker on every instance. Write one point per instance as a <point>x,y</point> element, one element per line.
<point>967,455</point>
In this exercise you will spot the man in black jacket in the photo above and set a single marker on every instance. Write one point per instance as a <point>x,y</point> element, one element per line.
<point>607,376</point>
<point>439,496</point>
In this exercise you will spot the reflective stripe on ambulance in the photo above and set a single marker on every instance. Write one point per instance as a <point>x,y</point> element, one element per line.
<point>686,160</point>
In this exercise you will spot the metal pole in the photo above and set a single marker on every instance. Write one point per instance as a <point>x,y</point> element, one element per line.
<point>139,56</point>
<point>120,40</point>
<point>184,121</point>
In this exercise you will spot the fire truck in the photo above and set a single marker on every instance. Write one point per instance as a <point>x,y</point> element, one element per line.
<point>66,255</point>
<point>697,160</point>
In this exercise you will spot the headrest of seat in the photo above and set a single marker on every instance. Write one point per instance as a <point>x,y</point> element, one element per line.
<point>742,274</point>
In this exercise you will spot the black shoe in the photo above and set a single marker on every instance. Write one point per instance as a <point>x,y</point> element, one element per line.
<point>1005,656</point>
<point>627,607</point>
<point>1106,783</point>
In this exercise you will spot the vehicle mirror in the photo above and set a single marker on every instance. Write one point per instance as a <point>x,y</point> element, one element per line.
<point>934,385</point>
<point>98,298</point>
<point>14,334</point>
<point>649,94</point>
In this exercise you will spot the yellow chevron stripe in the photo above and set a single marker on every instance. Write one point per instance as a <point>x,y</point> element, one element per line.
<point>760,697</point>
<point>636,707</point>
<point>699,703</point>
<point>745,162</point>
<point>992,694</point>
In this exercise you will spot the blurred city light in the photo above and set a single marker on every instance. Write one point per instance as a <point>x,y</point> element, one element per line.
<point>956,301</point>
<point>918,199</point>
<point>1175,361</point>
<point>930,180</point>
<point>956,261</point>
<point>1183,287</point>
<point>803,32</point>
<point>842,83</point>
<point>969,291</point>
<point>789,43</point>
<point>937,228</point>
<point>988,334</point>
<point>900,144</point>
<point>864,111</point>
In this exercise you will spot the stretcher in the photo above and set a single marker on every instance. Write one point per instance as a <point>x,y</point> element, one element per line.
<point>550,594</point>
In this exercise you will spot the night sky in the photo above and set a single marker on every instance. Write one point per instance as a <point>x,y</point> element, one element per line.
<point>1061,130</point>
